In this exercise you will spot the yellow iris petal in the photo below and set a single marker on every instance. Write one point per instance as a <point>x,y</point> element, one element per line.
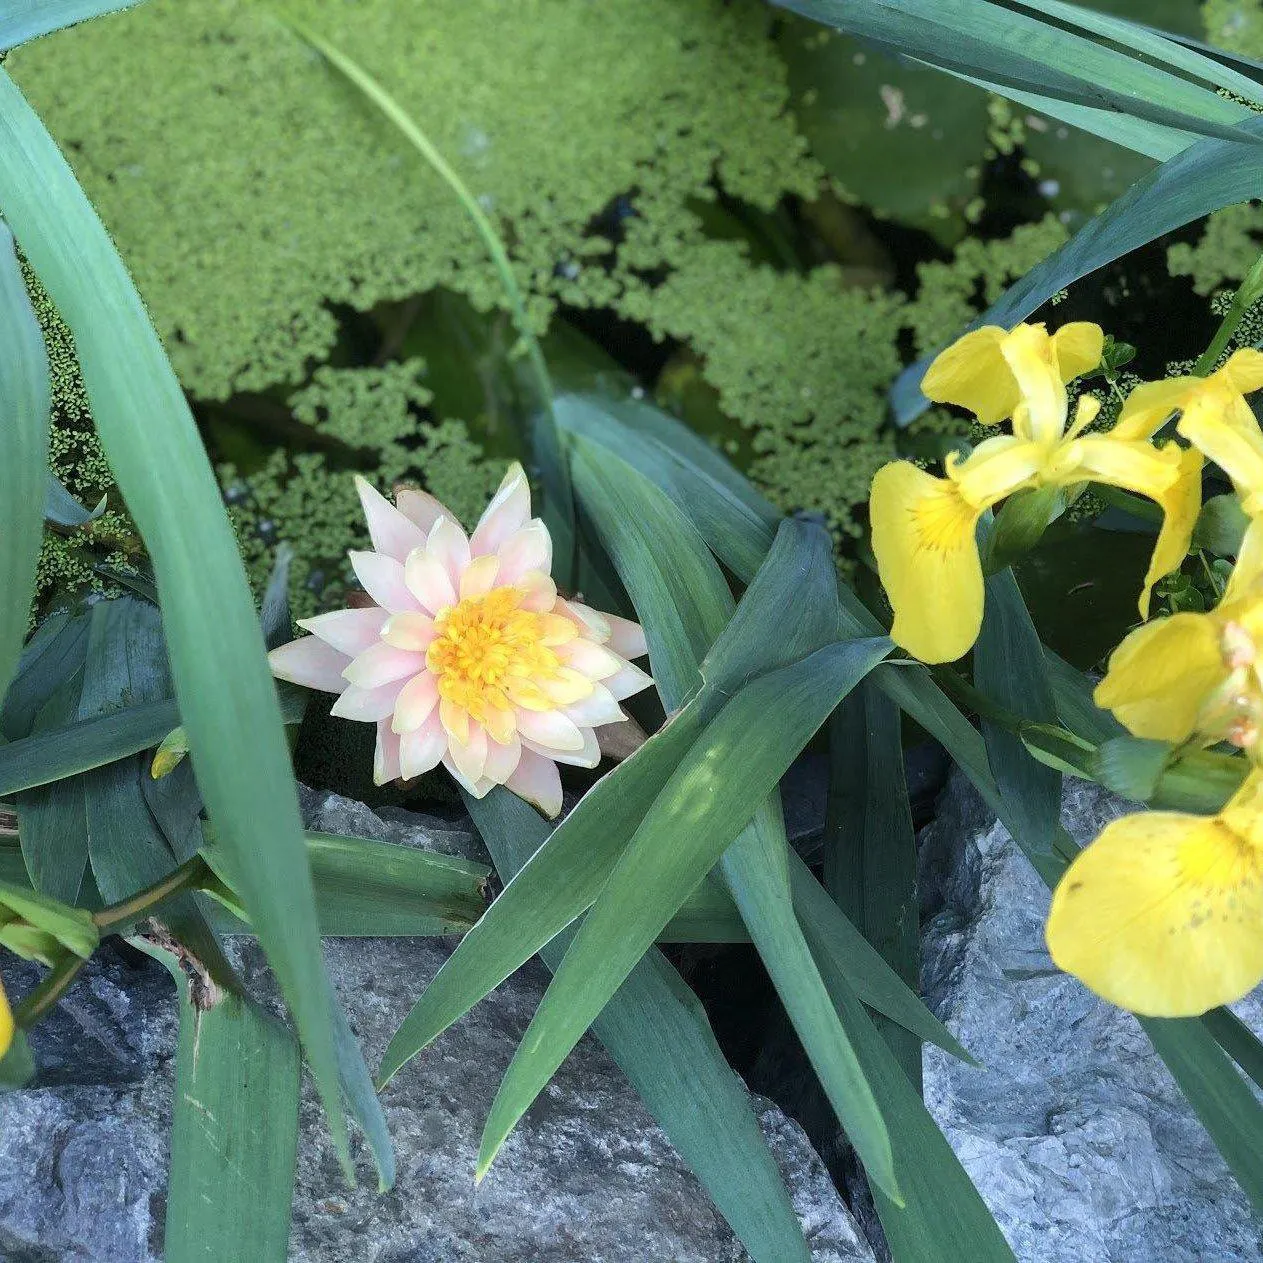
<point>1223,426</point>
<point>1077,348</point>
<point>1181,503</point>
<point>996,468</point>
<point>1160,675</point>
<point>1150,404</point>
<point>927,556</point>
<point>1031,357</point>
<point>1246,580</point>
<point>972,373</point>
<point>1163,913</point>
<point>6,1022</point>
<point>1243,372</point>
<point>1135,466</point>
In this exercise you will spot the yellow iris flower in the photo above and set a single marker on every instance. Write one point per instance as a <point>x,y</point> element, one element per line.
<point>6,1022</point>
<point>1196,676</point>
<point>1163,913</point>
<point>924,527</point>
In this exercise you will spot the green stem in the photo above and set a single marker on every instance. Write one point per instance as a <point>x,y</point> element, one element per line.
<point>48,992</point>
<point>1248,293</point>
<point>552,457</point>
<point>190,874</point>
<point>422,143</point>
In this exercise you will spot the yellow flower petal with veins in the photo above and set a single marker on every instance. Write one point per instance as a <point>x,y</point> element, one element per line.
<point>1163,913</point>
<point>923,537</point>
<point>1161,675</point>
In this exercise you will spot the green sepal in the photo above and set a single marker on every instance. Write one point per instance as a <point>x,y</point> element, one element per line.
<point>1020,524</point>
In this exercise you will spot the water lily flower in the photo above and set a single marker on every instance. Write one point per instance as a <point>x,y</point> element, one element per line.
<point>467,655</point>
<point>924,528</point>
<point>1163,913</point>
<point>1197,676</point>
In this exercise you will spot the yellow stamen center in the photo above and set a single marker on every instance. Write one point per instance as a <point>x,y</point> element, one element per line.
<point>490,654</point>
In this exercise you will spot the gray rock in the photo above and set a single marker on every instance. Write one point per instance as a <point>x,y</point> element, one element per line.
<point>587,1176</point>
<point>1074,1132</point>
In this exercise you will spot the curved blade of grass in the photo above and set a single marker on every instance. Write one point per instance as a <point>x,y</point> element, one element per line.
<point>563,878</point>
<point>1015,49</point>
<point>1167,50</point>
<point>52,820</point>
<point>1199,180</point>
<point>369,888</point>
<point>870,859</point>
<point>234,1131</point>
<point>24,408</point>
<point>53,654</point>
<point>1233,1120</point>
<point>630,430</point>
<point>54,754</point>
<point>559,502</point>
<point>657,1032</point>
<point>749,744</point>
<point>223,685</point>
<point>835,939</point>
<point>1009,667</point>
<point>943,1218</point>
<point>1137,134</point>
<point>1237,1040</point>
<point>24,20</point>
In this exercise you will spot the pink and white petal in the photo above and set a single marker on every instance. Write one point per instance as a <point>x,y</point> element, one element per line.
<point>479,576</point>
<point>348,631</point>
<point>537,780</point>
<point>383,664</point>
<point>470,756</point>
<point>599,707</point>
<point>409,631</point>
<point>310,662</point>
<point>419,507</point>
<point>508,512</point>
<point>628,680</point>
<point>368,705</point>
<point>565,686</point>
<point>594,624</point>
<point>588,755</point>
<point>479,788</point>
<point>382,578</point>
<point>392,532</point>
<point>502,760</point>
<point>386,755</point>
<point>593,660</point>
<point>529,549</point>
<point>429,582</point>
<point>627,639</point>
<point>455,720</point>
<point>539,592</point>
<point>421,750</point>
<point>448,543</point>
<point>549,728</point>
<point>415,703</point>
